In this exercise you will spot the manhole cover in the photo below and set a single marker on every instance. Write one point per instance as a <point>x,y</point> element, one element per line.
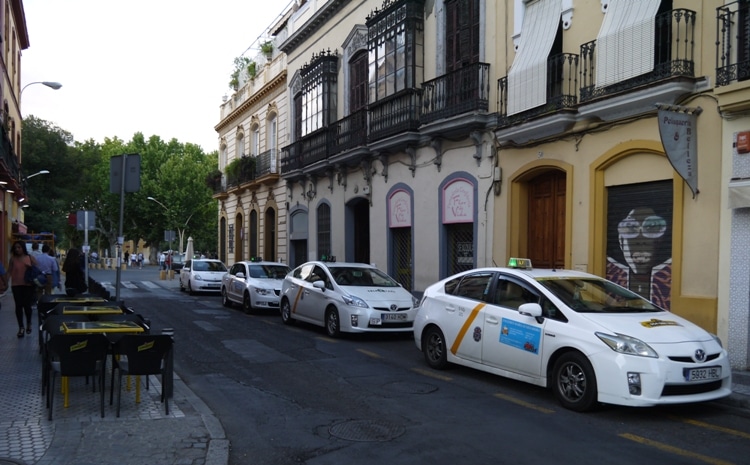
<point>411,388</point>
<point>366,430</point>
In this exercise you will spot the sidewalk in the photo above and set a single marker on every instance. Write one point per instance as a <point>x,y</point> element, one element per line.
<point>143,434</point>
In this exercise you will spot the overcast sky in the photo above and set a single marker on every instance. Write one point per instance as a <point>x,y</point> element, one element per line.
<point>159,67</point>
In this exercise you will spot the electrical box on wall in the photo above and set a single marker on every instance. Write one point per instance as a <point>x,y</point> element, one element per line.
<point>743,142</point>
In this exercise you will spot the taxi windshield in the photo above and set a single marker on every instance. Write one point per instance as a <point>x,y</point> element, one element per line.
<point>597,296</point>
<point>355,276</point>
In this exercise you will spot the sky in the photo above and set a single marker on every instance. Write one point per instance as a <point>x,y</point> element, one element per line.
<point>159,67</point>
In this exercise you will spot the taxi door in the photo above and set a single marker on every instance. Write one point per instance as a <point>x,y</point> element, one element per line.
<point>463,315</point>
<point>512,341</point>
<point>236,286</point>
<point>316,299</point>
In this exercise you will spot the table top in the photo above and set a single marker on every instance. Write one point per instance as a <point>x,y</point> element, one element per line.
<point>91,310</point>
<point>79,327</point>
<point>77,300</point>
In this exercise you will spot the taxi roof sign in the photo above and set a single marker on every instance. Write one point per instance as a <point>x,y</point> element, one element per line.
<point>522,263</point>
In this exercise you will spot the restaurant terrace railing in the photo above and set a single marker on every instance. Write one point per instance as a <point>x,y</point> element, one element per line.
<point>674,48</point>
<point>460,91</point>
<point>732,43</point>
<point>562,91</point>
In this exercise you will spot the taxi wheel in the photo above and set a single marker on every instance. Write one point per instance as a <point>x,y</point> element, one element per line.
<point>190,288</point>
<point>286,312</point>
<point>575,382</point>
<point>247,304</point>
<point>433,348</point>
<point>333,326</point>
<point>225,298</point>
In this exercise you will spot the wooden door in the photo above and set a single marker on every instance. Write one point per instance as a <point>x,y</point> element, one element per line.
<point>546,240</point>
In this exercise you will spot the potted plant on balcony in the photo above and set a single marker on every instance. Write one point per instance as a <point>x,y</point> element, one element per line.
<point>252,69</point>
<point>213,180</point>
<point>240,64</point>
<point>266,49</point>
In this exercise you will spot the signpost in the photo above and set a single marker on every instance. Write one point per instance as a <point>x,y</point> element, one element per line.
<point>124,176</point>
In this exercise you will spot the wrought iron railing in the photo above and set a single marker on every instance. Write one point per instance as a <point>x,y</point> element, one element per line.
<point>266,163</point>
<point>562,91</point>
<point>732,43</point>
<point>458,92</point>
<point>395,114</point>
<point>674,48</point>
<point>310,149</point>
<point>349,132</point>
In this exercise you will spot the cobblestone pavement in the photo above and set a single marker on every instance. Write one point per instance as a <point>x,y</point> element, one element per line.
<point>143,434</point>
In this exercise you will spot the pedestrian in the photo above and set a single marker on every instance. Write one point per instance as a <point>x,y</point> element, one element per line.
<point>48,266</point>
<point>56,273</point>
<point>162,260</point>
<point>35,252</point>
<point>140,260</point>
<point>75,278</point>
<point>23,292</point>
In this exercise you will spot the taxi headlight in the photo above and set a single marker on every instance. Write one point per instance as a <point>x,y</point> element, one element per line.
<point>354,301</point>
<point>623,344</point>
<point>716,338</point>
<point>262,291</point>
<point>415,302</point>
<point>198,277</point>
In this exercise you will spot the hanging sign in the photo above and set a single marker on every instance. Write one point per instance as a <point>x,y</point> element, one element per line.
<point>677,128</point>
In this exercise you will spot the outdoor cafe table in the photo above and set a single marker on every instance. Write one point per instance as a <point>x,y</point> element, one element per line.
<point>91,310</point>
<point>48,302</point>
<point>88,327</point>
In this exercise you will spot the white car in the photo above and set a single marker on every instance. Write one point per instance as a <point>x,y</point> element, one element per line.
<point>202,275</point>
<point>253,285</point>
<point>346,297</point>
<point>585,337</point>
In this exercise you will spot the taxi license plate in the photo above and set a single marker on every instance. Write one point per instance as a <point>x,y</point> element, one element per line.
<point>701,374</point>
<point>393,317</point>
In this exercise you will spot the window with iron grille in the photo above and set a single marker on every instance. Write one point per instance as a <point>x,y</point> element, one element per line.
<point>358,79</point>
<point>324,230</point>
<point>318,97</point>
<point>461,33</point>
<point>395,46</point>
<point>401,259</point>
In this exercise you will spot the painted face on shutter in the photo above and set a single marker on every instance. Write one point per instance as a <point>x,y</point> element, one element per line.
<point>639,234</point>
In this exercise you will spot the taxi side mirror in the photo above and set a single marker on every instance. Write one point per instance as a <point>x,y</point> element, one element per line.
<point>533,310</point>
<point>240,275</point>
<point>320,285</point>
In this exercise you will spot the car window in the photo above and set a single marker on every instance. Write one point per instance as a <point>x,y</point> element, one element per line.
<point>187,264</point>
<point>303,272</point>
<point>361,276</point>
<point>198,266</point>
<point>512,294</point>
<point>475,286</point>
<point>597,295</point>
<point>237,268</point>
<point>319,274</point>
<point>213,266</point>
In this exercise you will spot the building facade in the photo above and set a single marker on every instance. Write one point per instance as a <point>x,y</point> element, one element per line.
<point>15,39</point>
<point>609,136</point>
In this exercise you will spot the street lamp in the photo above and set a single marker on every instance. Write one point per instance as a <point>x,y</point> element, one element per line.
<point>36,174</point>
<point>50,84</point>
<point>180,231</point>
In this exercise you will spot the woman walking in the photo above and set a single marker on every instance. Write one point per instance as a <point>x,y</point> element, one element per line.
<point>23,292</point>
<point>75,275</point>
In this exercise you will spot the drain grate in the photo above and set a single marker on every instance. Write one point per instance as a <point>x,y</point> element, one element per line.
<point>366,430</point>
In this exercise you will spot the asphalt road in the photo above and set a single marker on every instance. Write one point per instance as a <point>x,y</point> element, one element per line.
<point>289,394</point>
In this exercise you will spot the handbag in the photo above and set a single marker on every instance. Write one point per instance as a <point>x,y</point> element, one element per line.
<point>35,276</point>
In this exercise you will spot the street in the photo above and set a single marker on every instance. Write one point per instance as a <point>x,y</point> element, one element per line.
<point>289,394</point>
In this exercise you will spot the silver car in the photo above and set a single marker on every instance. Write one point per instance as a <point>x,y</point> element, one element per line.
<point>254,285</point>
<point>202,275</point>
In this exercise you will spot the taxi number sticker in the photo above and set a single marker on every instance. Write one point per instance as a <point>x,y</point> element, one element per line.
<point>701,374</point>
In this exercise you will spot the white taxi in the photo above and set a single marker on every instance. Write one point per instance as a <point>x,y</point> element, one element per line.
<point>346,297</point>
<point>585,337</point>
<point>253,284</point>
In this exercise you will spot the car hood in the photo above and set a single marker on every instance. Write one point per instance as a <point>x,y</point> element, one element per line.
<point>651,327</point>
<point>380,294</point>
<point>267,283</point>
<point>217,275</point>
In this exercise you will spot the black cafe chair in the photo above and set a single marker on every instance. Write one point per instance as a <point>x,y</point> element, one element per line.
<point>77,355</point>
<point>51,326</point>
<point>142,355</point>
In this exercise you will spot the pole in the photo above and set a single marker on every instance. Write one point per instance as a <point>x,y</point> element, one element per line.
<point>119,234</point>
<point>86,245</point>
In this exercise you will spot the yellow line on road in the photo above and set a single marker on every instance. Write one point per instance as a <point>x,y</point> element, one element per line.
<point>523,403</point>
<point>701,424</point>
<point>368,353</point>
<point>675,450</point>
<point>432,374</point>
<point>327,339</point>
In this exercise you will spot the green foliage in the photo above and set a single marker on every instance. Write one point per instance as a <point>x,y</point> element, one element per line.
<point>240,64</point>
<point>266,47</point>
<point>171,172</point>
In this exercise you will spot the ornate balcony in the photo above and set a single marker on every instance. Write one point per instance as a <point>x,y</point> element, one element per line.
<point>395,114</point>
<point>674,48</point>
<point>350,132</point>
<point>732,49</point>
<point>458,92</point>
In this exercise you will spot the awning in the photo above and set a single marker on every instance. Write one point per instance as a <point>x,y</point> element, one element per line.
<point>739,193</point>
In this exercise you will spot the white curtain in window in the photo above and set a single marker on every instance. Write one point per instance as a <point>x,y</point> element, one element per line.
<point>625,44</point>
<point>527,79</point>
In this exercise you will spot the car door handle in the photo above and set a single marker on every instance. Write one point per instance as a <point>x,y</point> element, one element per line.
<point>450,308</point>
<point>492,321</point>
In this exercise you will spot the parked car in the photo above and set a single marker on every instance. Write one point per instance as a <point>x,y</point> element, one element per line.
<point>254,285</point>
<point>587,338</point>
<point>348,297</point>
<point>178,261</point>
<point>202,275</point>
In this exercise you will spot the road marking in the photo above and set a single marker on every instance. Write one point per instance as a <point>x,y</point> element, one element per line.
<point>368,353</point>
<point>523,403</point>
<point>674,450</point>
<point>149,284</point>
<point>327,339</point>
<point>128,285</point>
<point>432,374</point>
<point>701,424</point>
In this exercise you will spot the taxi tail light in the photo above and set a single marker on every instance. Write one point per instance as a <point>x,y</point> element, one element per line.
<point>634,383</point>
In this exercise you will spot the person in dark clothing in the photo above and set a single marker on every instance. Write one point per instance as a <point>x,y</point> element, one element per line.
<point>75,277</point>
<point>23,292</point>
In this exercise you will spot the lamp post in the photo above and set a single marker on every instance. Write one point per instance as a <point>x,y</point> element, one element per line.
<point>180,231</point>
<point>36,174</point>
<point>51,84</point>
